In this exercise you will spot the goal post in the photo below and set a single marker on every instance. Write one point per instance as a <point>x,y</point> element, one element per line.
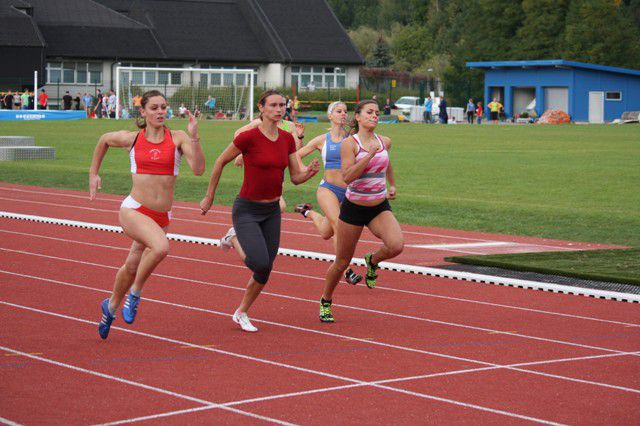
<point>211,93</point>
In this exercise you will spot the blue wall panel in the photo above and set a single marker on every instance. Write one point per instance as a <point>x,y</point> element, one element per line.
<point>579,82</point>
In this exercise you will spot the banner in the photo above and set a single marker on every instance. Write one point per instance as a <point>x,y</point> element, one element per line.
<point>30,115</point>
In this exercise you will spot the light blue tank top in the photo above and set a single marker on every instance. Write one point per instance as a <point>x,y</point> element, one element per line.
<point>331,153</point>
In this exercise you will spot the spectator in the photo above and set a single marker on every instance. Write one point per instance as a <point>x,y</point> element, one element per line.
<point>111,104</point>
<point>66,101</point>
<point>210,104</point>
<point>471,111</point>
<point>43,100</point>
<point>7,101</point>
<point>296,108</point>
<point>182,111</point>
<point>25,99</point>
<point>98,108</point>
<point>220,115</point>
<point>479,112</point>
<point>311,86</point>
<point>288,109</point>
<point>444,117</point>
<point>428,106</point>
<point>196,112</point>
<point>137,104</point>
<point>494,107</point>
<point>86,100</point>
<point>77,101</point>
<point>17,101</point>
<point>387,107</point>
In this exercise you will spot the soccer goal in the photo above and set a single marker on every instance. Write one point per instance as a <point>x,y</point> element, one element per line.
<point>210,93</point>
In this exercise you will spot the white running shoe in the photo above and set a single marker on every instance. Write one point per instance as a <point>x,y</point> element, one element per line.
<point>242,319</point>
<point>225,242</point>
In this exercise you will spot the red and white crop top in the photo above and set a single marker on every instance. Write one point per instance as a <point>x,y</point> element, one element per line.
<point>149,158</point>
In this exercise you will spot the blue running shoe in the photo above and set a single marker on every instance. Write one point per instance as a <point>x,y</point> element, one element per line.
<point>130,308</point>
<point>106,320</point>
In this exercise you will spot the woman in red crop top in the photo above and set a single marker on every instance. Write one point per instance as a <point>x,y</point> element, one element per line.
<point>155,153</point>
<point>267,151</point>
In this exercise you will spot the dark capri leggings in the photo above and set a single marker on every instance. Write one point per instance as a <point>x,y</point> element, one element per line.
<point>257,228</point>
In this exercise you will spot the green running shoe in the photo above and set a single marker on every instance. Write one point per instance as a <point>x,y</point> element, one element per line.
<point>325,311</point>
<point>372,271</point>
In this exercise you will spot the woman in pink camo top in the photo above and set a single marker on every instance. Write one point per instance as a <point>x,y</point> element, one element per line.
<point>366,169</point>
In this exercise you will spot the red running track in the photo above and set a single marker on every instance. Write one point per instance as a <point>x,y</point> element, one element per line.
<point>416,349</point>
<point>424,246</point>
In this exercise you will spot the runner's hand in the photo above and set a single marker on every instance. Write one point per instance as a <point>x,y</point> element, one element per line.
<point>192,127</point>
<point>391,193</point>
<point>205,205</point>
<point>238,162</point>
<point>95,183</point>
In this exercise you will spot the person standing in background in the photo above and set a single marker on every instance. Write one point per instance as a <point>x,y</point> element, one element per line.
<point>471,111</point>
<point>479,112</point>
<point>428,106</point>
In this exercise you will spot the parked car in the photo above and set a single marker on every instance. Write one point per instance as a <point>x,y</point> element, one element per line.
<point>404,104</point>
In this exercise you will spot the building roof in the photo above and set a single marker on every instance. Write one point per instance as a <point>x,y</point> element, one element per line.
<point>18,29</point>
<point>215,31</point>
<point>553,63</point>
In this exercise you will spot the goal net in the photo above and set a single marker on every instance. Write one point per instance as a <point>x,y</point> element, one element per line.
<point>210,93</point>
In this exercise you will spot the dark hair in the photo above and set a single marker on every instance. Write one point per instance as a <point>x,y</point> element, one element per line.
<point>140,121</point>
<point>354,122</point>
<point>262,100</point>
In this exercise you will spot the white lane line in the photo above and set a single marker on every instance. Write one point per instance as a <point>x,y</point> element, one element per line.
<point>315,302</point>
<point>137,384</point>
<point>380,287</point>
<point>9,422</point>
<point>194,209</point>
<point>420,270</point>
<point>463,245</point>
<point>293,367</point>
<point>490,366</point>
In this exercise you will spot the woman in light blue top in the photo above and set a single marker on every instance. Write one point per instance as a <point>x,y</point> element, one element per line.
<point>332,188</point>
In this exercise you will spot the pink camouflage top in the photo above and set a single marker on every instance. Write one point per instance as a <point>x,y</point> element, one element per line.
<point>372,184</point>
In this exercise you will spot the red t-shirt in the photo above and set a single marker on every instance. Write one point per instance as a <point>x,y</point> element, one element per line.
<point>264,163</point>
<point>43,99</point>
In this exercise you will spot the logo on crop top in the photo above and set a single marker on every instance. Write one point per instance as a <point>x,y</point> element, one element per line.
<point>154,154</point>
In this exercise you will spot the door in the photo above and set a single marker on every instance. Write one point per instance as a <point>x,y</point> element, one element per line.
<point>556,98</point>
<point>596,107</point>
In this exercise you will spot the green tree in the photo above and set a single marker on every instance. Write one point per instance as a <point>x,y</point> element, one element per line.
<point>599,31</point>
<point>381,57</point>
<point>365,39</point>
<point>540,35</point>
<point>411,46</point>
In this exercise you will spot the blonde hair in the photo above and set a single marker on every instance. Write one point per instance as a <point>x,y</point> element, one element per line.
<point>333,106</point>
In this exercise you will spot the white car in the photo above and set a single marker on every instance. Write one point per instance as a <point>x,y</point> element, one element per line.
<point>404,104</point>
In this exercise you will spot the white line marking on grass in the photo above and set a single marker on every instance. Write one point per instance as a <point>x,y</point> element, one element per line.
<point>490,365</point>
<point>411,317</point>
<point>379,287</point>
<point>133,383</point>
<point>292,367</point>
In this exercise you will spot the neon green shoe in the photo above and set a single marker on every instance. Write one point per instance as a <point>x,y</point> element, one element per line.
<point>325,311</point>
<point>372,271</point>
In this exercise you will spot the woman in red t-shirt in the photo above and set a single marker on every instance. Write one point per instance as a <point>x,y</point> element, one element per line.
<point>266,151</point>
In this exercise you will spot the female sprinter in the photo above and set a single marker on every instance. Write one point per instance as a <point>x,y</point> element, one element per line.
<point>155,153</point>
<point>267,151</point>
<point>366,169</point>
<point>332,187</point>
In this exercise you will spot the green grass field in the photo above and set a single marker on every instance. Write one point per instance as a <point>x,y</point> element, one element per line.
<point>568,182</point>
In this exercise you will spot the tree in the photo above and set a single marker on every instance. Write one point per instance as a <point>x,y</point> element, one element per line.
<point>599,31</point>
<point>365,39</point>
<point>540,35</point>
<point>411,47</point>
<point>381,58</point>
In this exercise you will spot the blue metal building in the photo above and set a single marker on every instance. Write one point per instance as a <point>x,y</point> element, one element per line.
<point>587,92</point>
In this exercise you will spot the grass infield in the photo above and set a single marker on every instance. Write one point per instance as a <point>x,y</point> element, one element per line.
<point>569,182</point>
<point>618,266</point>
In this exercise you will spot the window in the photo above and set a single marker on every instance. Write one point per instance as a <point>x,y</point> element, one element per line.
<point>322,76</point>
<point>73,73</point>
<point>613,96</point>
